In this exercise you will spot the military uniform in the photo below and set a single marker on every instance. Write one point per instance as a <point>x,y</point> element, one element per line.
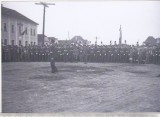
<point>85,54</point>
<point>76,54</point>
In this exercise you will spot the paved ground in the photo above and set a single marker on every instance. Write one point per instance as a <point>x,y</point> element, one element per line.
<point>78,87</point>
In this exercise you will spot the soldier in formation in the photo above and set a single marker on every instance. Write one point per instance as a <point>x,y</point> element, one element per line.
<point>83,53</point>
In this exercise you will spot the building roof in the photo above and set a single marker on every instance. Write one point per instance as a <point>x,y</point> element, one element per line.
<point>150,41</point>
<point>64,41</point>
<point>12,13</point>
<point>40,37</point>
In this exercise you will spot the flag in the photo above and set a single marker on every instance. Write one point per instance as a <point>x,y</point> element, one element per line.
<point>24,32</point>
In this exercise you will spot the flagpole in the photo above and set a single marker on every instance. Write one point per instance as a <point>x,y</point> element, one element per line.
<point>68,36</point>
<point>120,36</point>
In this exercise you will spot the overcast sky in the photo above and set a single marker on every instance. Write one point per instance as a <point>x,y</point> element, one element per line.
<point>139,19</point>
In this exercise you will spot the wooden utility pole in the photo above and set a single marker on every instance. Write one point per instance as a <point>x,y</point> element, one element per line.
<point>44,10</point>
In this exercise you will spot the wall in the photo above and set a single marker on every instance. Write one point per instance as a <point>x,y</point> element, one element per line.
<point>16,36</point>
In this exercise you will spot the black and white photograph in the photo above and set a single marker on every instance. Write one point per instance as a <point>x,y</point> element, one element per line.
<point>80,56</point>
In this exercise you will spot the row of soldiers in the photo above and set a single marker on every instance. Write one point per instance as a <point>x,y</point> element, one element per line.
<point>83,53</point>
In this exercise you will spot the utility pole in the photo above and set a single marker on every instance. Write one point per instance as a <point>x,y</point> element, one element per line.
<point>44,10</point>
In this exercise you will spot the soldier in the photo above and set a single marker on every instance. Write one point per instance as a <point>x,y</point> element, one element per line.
<point>91,56</point>
<point>118,54</point>
<point>98,54</point>
<point>112,54</point>
<point>131,55</point>
<point>65,53</point>
<point>126,52</point>
<point>36,54</point>
<point>159,55</point>
<point>53,67</point>
<point>137,44</point>
<point>41,53</point>
<point>27,53</point>
<point>58,54</point>
<point>115,54</point>
<point>48,53</point>
<point>22,54</point>
<point>12,52</point>
<point>103,53</point>
<point>51,49</point>
<point>140,55</point>
<point>81,53</point>
<point>3,53</point>
<point>71,57</point>
<point>76,53</point>
<point>6,53</point>
<point>109,54</point>
<point>89,53</point>
<point>121,54</point>
<point>147,57</point>
<point>85,54</point>
<point>156,55</point>
<point>135,55</point>
<point>61,53</point>
<point>125,42</point>
<point>31,54</point>
<point>44,53</point>
<point>106,53</point>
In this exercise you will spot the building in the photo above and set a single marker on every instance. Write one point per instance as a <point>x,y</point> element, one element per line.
<point>150,41</point>
<point>40,40</point>
<point>79,40</point>
<point>74,40</point>
<point>64,42</point>
<point>53,40</point>
<point>17,29</point>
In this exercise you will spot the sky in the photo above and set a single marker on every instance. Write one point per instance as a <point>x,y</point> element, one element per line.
<point>91,19</point>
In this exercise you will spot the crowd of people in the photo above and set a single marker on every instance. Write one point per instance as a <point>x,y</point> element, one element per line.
<point>82,53</point>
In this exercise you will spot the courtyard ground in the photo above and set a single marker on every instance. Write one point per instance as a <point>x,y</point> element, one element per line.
<point>94,87</point>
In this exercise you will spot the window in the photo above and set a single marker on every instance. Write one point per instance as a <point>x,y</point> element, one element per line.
<point>12,42</point>
<point>5,27</point>
<point>20,42</point>
<point>20,29</point>
<point>26,43</point>
<point>5,41</point>
<point>12,29</point>
<point>34,32</point>
<point>31,31</point>
<point>26,31</point>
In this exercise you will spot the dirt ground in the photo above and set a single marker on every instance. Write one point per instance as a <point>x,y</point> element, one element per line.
<point>78,87</point>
